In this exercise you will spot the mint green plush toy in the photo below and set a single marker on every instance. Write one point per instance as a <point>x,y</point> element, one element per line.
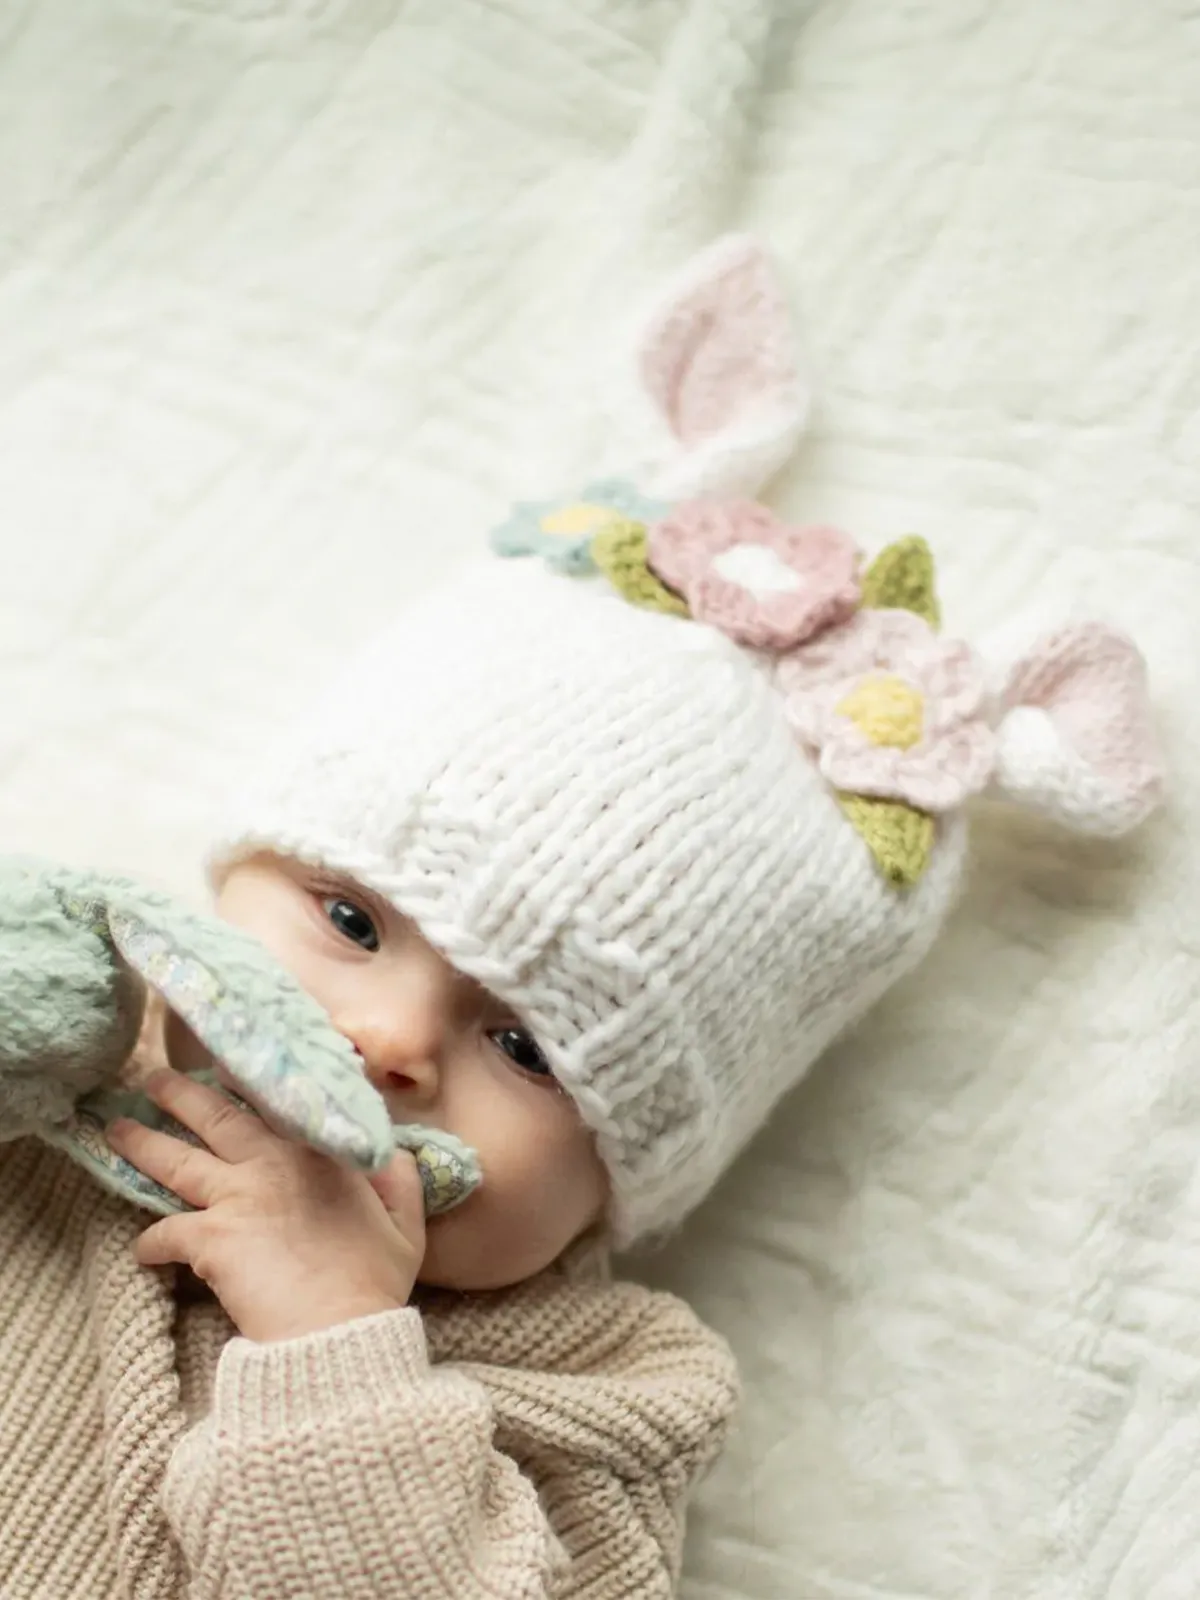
<point>77,953</point>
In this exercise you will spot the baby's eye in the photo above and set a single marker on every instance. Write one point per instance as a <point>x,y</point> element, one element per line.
<point>522,1049</point>
<point>351,921</point>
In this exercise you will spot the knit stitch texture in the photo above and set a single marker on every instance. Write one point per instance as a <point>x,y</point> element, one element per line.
<point>536,1444</point>
<point>601,814</point>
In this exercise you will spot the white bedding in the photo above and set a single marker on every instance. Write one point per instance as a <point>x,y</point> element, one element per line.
<point>295,296</point>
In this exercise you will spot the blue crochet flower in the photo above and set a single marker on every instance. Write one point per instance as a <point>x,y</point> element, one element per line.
<point>562,530</point>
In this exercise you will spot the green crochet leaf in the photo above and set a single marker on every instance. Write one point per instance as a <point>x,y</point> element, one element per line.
<point>901,578</point>
<point>619,550</point>
<point>897,835</point>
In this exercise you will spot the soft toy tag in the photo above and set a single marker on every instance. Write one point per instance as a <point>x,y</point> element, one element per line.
<point>76,951</point>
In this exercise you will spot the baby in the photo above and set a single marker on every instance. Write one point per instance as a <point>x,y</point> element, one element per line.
<point>441,1051</point>
<point>590,860</point>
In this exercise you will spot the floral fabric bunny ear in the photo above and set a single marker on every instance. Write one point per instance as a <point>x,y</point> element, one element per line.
<point>77,950</point>
<point>278,1047</point>
<point>275,1042</point>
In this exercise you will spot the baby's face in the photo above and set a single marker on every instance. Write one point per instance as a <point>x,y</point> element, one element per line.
<point>442,1052</point>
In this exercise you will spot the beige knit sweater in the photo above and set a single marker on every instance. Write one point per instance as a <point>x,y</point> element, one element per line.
<point>536,1442</point>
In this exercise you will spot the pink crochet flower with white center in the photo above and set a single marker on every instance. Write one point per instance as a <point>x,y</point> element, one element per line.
<point>757,579</point>
<point>892,711</point>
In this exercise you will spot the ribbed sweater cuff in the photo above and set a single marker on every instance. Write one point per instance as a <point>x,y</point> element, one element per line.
<point>266,1389</point>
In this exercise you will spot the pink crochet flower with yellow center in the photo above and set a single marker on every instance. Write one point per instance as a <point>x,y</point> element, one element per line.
<point>892,711</point>
<point>757,579</point>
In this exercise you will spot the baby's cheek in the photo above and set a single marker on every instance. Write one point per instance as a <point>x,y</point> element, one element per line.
<point>542,1187</point>
<point>542,1193</point>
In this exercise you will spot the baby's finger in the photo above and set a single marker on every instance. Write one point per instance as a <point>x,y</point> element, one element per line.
<point>399,1187</point>
<point>194,1175</point>
<point>227,1130</point>
<point>167,1241</point>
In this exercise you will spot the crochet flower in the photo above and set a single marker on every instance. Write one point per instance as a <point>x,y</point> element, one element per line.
<point>757,579</point>
<point>892,711</point>
<point>562,530</point>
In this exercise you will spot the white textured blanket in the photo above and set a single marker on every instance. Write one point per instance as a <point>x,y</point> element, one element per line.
<point>296,294</point>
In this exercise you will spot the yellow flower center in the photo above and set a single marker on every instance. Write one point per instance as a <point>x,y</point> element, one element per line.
<point>886,711</point>
<point>570,521</point>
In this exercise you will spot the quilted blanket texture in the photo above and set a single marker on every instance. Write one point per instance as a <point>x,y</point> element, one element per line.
<point>297,295</point>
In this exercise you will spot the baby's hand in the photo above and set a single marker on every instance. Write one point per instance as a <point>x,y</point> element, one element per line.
<point>289,1241</point>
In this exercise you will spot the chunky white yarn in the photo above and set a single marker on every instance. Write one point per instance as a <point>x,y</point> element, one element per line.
<point>599,813</point>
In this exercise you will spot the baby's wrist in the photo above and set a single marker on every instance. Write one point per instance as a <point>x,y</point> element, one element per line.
<point>321,1318</point>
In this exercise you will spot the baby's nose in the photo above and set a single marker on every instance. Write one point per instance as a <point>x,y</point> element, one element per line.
<point>398,1058</point>
<point>400,1015</point>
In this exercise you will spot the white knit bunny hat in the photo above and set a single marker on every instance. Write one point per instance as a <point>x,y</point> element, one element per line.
<point>688,850</point>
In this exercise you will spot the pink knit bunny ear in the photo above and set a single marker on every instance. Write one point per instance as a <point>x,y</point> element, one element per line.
<point>718,384</point>
<point>1075,735</point>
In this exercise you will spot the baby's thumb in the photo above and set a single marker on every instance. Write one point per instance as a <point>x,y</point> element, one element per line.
<point>400,1188</point>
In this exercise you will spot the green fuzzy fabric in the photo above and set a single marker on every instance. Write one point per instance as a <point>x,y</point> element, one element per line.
<point>76,952</point>
<point>69,1015</point>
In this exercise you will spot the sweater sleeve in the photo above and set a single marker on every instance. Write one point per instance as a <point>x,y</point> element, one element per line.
<point>346,1464</point>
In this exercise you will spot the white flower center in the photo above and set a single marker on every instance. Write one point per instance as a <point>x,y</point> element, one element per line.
<point>759,569</point>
